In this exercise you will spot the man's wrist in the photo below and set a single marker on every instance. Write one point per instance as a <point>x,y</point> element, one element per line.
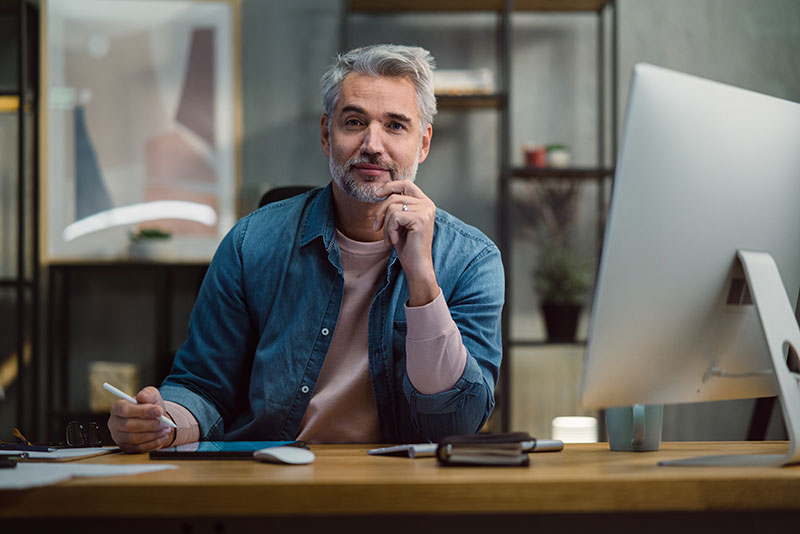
<point>422,292</point>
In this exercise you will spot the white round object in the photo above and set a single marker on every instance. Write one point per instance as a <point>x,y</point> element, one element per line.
<point>558,158</point>
<point>285,455</point>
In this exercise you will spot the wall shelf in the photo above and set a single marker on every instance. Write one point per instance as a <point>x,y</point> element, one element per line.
<point>13,282</point>
<point>493,101</point>
<point>448,6</point>
<point>573,173</point>
<point>541,343</point>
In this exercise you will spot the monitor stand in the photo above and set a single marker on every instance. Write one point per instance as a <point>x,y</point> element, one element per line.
<point>780,328</point>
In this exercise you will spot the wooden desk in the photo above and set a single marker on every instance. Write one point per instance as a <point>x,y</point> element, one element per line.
<point>585,482</point>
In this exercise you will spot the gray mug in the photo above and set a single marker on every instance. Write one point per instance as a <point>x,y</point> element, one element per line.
<point>635,428</point>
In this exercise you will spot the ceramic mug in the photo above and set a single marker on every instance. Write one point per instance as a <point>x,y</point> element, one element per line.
<point>635,428</point>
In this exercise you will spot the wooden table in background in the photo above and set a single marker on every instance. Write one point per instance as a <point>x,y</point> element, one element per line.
<point>584,487</point>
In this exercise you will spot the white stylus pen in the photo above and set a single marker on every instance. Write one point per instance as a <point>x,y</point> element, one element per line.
<point>122,395</point>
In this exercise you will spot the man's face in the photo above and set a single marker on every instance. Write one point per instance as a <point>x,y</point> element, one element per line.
<point>374,135</point>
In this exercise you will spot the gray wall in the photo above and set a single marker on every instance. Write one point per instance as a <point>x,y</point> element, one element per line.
<point>747,43</point>
<point>286,45</point>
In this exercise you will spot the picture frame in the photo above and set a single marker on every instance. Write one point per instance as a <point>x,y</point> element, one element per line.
<point>140,129</point>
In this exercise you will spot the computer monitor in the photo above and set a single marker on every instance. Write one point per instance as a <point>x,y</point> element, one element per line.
<point>707,189</point>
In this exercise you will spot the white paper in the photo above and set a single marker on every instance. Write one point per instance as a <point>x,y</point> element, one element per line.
<point>72,453</point>
<point>33,474</point>
<point>60,454</point>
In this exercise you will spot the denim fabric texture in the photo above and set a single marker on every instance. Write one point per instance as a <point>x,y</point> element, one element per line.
<point>267,309</point>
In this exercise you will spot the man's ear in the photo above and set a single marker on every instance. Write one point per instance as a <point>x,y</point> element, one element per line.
<point>425,146</point>
<point>325,135</point>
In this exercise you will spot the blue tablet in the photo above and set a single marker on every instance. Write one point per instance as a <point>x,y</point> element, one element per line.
<point>218,450</point>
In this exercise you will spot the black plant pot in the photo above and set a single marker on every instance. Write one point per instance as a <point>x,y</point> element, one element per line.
<point>561,321</point>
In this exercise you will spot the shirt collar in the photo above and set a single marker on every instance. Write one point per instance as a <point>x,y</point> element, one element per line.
<point>319,219</point>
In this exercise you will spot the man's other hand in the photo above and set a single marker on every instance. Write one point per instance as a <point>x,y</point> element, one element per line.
<point>137,427</point>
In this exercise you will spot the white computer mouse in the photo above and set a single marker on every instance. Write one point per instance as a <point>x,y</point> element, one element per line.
<point>285,455</point>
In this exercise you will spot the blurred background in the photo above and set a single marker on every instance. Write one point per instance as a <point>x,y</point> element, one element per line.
<point>531,98</point>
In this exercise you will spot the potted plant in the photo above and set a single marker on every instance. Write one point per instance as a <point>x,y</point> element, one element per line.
<point>151,243</point>
<point>561,278</point>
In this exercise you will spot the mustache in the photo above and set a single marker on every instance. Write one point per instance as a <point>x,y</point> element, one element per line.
<point>372,159</point>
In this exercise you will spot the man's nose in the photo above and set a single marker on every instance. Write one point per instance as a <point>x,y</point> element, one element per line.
<point>372,142</point>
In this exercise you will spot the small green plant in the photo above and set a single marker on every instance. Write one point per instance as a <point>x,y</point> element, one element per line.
<point>561,276</point>
<point>149,233</point>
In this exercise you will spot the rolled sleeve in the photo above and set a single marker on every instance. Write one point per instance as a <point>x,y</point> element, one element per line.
<point>209,421</point>
<point>445,413</point>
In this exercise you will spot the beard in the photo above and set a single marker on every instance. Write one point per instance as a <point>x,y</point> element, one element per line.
<point>342,175</point>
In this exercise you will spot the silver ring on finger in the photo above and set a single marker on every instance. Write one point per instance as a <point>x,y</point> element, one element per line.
<point>405,207</point>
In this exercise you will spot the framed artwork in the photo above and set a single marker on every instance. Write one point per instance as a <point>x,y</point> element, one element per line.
<point>140,126</point>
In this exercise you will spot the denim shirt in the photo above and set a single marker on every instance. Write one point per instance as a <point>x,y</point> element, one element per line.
<point>267,309</point>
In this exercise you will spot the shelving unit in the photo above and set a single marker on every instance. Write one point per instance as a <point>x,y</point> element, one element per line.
<point>500,101</point>
<point>24,283</point>
<point>601,173</point>
<point>601,176</point>
<point>496,101</point>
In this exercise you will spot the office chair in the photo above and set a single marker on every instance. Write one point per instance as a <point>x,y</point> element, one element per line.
<point>283,192</point>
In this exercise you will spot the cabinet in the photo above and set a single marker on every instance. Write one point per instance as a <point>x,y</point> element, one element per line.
<point>89,315</point>
<point>508,174</point>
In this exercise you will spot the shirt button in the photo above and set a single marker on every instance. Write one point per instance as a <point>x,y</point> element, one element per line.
<point>325,331</point>
<point>304,389</point>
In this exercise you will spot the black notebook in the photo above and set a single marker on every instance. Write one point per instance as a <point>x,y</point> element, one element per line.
<point>484,449</point>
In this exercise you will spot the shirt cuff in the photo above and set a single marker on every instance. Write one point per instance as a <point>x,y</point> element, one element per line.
<point>188,427</point>
<point>435,353</point>
<point>429,321</point>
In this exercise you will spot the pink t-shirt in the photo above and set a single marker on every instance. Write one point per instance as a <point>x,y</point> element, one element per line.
<point>342,408</point>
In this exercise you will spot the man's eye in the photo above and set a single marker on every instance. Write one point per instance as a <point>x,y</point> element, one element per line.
<point>352,122</point>
<point>396,126</point>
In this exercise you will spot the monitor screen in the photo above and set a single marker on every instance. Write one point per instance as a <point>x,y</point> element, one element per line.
<point>704,170</point>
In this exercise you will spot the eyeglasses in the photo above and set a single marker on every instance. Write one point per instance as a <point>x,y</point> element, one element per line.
<point>78,436</point>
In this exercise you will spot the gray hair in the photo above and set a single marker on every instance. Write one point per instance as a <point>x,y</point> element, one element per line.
<point>394,61</point>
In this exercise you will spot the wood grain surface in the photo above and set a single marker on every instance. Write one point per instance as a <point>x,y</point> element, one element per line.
<point>344,480</point>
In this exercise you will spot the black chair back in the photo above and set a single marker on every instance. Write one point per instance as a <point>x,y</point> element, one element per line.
<point>281,193</point>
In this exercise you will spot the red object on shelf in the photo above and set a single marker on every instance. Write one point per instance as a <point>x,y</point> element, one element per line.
<point>536,156</point>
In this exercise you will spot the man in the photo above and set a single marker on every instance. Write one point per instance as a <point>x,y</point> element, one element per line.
<point>357,312</point>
